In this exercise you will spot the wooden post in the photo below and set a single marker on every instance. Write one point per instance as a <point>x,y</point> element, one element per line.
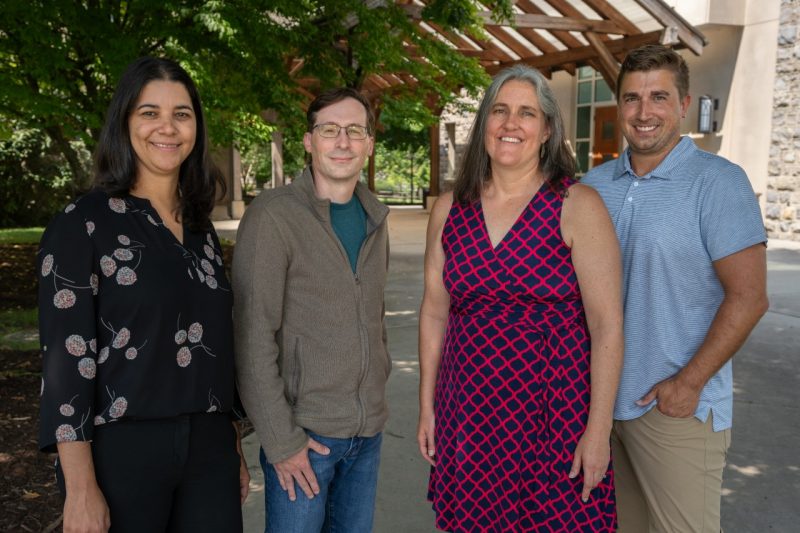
<point>371,172</point>
<point>229,163</point>
<point>276,145</point>
<point>276,149</point>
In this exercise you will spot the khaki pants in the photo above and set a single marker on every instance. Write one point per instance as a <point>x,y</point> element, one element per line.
<point>668,474</point>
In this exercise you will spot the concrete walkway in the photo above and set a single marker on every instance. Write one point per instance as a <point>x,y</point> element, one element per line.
<point>762,481</point>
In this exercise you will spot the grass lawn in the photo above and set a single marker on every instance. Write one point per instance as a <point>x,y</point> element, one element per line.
<point>20,235</point>
<point>18,329</point>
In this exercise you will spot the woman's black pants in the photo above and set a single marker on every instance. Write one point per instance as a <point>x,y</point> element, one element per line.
<point>176,474</point>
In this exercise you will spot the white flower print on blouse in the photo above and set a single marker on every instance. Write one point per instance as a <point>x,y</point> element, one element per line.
<point>68,431</point>
<point>119,341</point>
<point>202,266</point>
<point>117,205</point>
<point>126,274</point>
<point>65,296</point>
<point>67,409</point>
<point>77,346</point>
<point>194,335</point>
<point>213,403</point>
<point>115,409</point>
<point>122,206</point>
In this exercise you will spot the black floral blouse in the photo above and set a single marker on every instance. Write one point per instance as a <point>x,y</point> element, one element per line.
<point>132,322</point>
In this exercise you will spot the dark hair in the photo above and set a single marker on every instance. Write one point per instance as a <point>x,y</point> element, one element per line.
<point>653,57</point>
<point>556,159</point>
<point>333,96</point>
<point>115,159</point>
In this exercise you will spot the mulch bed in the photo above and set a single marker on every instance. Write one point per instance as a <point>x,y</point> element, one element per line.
<point>29,497</point>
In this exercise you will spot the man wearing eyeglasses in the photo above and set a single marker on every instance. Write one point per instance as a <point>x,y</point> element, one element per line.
<point>309,272</point>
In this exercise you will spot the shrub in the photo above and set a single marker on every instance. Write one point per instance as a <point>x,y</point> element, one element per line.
<point>35,181</point>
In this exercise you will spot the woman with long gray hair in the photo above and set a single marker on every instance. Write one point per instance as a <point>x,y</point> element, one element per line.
<point>522,284</point>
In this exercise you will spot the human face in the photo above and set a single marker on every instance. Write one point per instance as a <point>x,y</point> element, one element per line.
<point>338,159</point>
<point>515,128</point>
<point>162,128</point>
<point>651,110</point>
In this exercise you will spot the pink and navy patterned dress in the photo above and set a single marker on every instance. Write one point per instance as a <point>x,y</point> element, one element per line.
<point>512,397</point>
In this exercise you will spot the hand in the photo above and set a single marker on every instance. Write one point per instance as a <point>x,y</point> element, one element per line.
<point>674,397</point>
<point>86,511</point>
<point>244,473</point>
<point>425,437</point>
<point>297,468</point>
<point>592,454</point>
<point>244,479</point>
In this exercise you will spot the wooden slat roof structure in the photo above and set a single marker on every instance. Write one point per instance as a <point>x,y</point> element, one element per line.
<point>549,35</point>
<point>553,35</point>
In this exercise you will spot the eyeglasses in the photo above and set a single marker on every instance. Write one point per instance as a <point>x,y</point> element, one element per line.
<point>330,130</point>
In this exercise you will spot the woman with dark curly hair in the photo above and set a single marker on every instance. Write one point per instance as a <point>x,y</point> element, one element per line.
<point>521,266</point>
<point>135,325</point>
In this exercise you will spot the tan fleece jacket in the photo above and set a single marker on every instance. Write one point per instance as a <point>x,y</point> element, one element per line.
<point>310,335</point>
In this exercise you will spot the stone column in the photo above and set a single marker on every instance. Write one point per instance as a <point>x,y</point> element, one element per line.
<point>782,207</point>
<point>230,164</point>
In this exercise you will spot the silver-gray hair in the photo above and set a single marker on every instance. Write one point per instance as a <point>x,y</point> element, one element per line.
<point>556,161</point>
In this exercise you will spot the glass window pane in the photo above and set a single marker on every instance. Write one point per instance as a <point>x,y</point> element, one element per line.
<point>584,122</point>
<point>585,92</point>
<point>602,92</point>
<point>585,73</point>
<point>608,130</point>
<point>582,149</point>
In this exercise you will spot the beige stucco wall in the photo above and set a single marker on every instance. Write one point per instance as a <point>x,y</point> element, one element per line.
<point>563,86</point>
<point>738,68</point>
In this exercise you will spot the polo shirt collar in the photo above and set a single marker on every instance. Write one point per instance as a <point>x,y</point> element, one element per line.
<point>666,169</point>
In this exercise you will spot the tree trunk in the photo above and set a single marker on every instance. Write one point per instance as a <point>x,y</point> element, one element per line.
<point>80,176</point>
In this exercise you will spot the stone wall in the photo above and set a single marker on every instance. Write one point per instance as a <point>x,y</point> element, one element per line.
<point>782,208</point>
<point>460,118</point>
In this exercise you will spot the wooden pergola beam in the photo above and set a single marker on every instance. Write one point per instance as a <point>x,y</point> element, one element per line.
<point>565,37</point>
<point>546,22</point>
<point>537,20</point>
<point>693,39</point>
<point>609,66</point>
<point>584,54</point>
<point>606,10</point>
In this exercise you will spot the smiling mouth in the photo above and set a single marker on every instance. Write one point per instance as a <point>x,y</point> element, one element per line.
<point>165,146</point>
<point>646,129</point>
<point>510,140</point>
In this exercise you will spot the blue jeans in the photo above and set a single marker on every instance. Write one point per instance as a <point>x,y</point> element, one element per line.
<point>348,481</point>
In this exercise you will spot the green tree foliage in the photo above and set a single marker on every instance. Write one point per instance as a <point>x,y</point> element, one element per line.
<point>402,172</point>
<point>402,159</point>
<point>33,181</point>
<point>60,59</point>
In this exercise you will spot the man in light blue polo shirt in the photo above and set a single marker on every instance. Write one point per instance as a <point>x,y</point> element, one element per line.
<point>693,247</point>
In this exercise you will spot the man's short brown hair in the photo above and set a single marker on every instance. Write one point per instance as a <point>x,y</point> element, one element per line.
<point>334,96</point>
<point>654,57</point>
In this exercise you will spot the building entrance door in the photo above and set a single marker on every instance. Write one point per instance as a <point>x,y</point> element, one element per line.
<point>606,135</point>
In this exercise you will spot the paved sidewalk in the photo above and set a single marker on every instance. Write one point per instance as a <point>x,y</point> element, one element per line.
<point>762,480</point>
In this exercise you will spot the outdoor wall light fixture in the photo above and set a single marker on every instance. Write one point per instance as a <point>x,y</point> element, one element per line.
<point>705,119</point>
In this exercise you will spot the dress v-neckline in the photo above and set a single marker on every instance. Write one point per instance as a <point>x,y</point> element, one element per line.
<point>487,235</point>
